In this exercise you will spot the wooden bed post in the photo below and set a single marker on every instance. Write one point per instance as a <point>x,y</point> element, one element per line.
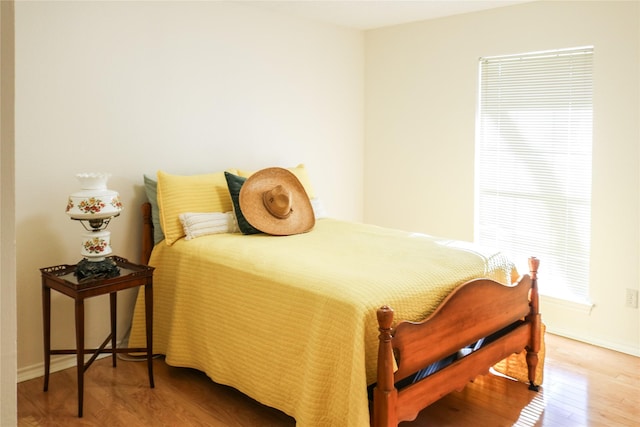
<point>385,395</point>
<point>536,327</point>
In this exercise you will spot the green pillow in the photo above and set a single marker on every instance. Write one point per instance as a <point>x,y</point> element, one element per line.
<point>151,189</point>
<point>234,182</point>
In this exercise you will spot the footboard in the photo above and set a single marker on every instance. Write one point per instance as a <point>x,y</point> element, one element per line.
<point>478,309</point>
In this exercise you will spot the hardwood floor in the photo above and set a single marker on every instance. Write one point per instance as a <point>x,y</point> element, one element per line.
<point>583,386</point>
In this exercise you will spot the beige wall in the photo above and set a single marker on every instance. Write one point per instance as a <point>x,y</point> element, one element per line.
<point>421,84</point>
<point>8,358</point>
<point>186,87</point>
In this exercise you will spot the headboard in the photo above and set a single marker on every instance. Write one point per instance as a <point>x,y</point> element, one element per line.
<point>147,233</point>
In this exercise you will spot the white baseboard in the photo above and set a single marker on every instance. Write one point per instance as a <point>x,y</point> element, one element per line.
<point>589,340</point>
<point>58,363</point>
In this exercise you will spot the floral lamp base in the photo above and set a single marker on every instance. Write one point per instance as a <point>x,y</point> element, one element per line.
<point>96,244</point>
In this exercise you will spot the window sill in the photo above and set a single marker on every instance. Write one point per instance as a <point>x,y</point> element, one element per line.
<point>579,307</point>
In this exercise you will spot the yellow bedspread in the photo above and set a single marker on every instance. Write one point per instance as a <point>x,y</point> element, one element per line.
<point>291,321</point>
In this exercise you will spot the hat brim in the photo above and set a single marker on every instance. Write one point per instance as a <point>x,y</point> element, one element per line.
<point>252,206</point>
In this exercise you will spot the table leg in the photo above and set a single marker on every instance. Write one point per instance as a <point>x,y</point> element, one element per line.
<point>46,320</point>
<point>148,306</point>
<point>80,351</point>
<point>113,296</point>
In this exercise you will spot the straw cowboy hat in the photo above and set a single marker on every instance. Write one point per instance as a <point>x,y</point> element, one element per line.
<point>274,201</point>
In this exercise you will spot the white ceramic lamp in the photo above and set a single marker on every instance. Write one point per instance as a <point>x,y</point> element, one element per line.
<point>94,206</point>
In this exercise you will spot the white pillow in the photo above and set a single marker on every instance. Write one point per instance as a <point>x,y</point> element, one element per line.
<point>318,208</point>
<point>198,224</point>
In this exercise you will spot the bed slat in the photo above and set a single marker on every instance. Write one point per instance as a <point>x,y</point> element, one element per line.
<point>416,396</point>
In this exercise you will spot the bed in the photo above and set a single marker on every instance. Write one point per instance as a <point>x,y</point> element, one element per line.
<point>301,324</point>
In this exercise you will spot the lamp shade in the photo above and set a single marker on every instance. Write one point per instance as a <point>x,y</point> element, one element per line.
<point>94,200</point>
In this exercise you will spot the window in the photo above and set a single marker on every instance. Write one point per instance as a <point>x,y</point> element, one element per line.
<point>533,164</point>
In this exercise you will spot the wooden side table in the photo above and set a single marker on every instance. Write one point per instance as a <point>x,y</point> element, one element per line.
<point>62,279</point>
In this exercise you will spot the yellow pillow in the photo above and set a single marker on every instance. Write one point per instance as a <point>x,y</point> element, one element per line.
<point>195,193</point>
<point>299,171</point>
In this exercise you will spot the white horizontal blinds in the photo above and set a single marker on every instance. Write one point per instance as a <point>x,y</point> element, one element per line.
<point>534,163</point>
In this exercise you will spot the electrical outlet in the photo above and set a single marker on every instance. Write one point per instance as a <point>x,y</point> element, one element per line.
<point>631,299</point>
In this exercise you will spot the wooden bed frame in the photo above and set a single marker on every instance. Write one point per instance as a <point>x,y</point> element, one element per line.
<point>512,322</point>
